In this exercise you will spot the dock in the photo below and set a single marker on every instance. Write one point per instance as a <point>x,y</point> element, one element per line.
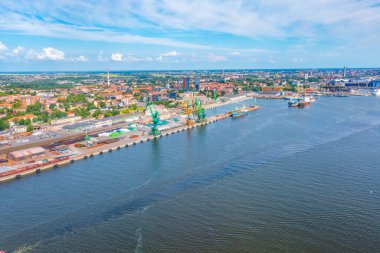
<point>100,150</point>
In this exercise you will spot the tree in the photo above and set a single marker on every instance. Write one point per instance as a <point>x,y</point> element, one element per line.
<point>29,128</point>
<point>97,113</point>
<point>102,104</point>
<point>90,106</point>
<point>4,124</point>
<point>56,114</point>
<point>21,122</point>
<point>35,109</point>
<point>52,106</point>
<point>115,112</point>
<point>66,105</point>
<point>82,112</point>
<point>44,116</point>
<point>17,104</point>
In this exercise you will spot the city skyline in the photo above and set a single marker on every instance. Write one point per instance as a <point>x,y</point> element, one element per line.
<point>156,35</point>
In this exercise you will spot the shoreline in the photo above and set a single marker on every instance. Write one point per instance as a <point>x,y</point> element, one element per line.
<point>100,150</point>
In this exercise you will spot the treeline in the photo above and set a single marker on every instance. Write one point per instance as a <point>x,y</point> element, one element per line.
<point>39,85</point>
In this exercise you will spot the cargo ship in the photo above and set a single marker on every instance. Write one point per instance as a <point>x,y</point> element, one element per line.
<point>243,111</point>
<point>238,114</point>
<point>293,103</point>
<point>301,101</point>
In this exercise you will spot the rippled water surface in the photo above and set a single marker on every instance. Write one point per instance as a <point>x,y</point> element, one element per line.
<point>278,180</point>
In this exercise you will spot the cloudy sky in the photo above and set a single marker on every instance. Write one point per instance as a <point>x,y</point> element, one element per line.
<point>184,34</point>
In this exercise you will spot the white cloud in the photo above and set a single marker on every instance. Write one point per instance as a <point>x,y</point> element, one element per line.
<point>239,54</point>
<point>170,54</point>
<point>131,58</point>
<point>47,53</point>
<point>3,47</point>
<point>271,60</point>
<point>16,52</point>
<point>298,60</point>
<point>80,58</point>
<point>101,57</point>
<point>81,26</point>
<point>319,24</point>
<point>216,58</point>
<point>116,57</point>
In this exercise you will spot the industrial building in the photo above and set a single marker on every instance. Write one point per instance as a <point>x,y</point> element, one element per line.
<point>26,153</point>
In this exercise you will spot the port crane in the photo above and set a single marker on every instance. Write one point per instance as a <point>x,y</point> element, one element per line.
<point>200,110</point>
<point>214,95</point>
<point>155,120</point>
<point>188,109</point>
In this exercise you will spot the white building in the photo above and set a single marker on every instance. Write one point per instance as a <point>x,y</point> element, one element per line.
<point>19,129</point>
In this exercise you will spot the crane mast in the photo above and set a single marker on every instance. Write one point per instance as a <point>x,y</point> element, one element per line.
<point>155,120</point>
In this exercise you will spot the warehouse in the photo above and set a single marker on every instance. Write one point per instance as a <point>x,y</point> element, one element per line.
<point>26,153</point>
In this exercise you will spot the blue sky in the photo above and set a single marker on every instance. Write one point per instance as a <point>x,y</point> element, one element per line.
<point>47,35</point>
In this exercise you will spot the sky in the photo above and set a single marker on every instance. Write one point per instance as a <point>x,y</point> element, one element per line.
<point>62,35</point>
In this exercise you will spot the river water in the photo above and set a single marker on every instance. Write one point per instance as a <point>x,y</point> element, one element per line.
<point>278,180</point>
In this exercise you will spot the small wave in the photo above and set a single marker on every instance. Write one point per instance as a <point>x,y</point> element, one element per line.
<point>139,241</point>
<point>26,248</point>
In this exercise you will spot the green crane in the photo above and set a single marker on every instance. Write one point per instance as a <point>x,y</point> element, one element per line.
<point>155,120</point>
<point>214,95</point>
<point>201,114</point>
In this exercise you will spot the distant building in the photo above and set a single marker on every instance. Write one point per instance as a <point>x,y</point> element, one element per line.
<point>28,100</point>
<point>19,129</point>
<point>156,97</point>
<point>374,84</point>
<point>26,153</point>
<point>65,120</point>
<point>186,83</point>
<point>197,83</point>
<point>357,83</point>
<point>173,95</point>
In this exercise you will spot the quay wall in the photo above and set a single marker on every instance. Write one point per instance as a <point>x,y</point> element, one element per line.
<point>100,150</point>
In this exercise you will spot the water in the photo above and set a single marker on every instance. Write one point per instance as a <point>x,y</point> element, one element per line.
<point>278,180</point>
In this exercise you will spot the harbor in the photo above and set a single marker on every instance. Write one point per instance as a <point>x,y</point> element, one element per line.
<point>117,145</point>
<point>213,180</point>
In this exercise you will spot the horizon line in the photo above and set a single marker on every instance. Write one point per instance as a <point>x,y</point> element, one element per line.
<point>181,70</point>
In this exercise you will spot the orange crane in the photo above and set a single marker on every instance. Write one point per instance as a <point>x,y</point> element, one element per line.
<point>188,109</point>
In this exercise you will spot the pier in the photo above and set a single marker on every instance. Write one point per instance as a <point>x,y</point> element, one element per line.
<point>100,150</point>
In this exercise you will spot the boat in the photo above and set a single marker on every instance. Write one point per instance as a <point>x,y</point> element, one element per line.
<point>238,114</point>
<point>241,112</point>
<point>293,103</point>
<point>308,99</point>
<point>303,103</point>
<point>377,92</point>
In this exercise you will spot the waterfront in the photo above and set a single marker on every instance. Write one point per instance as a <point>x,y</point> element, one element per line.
<point>280,179</point>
